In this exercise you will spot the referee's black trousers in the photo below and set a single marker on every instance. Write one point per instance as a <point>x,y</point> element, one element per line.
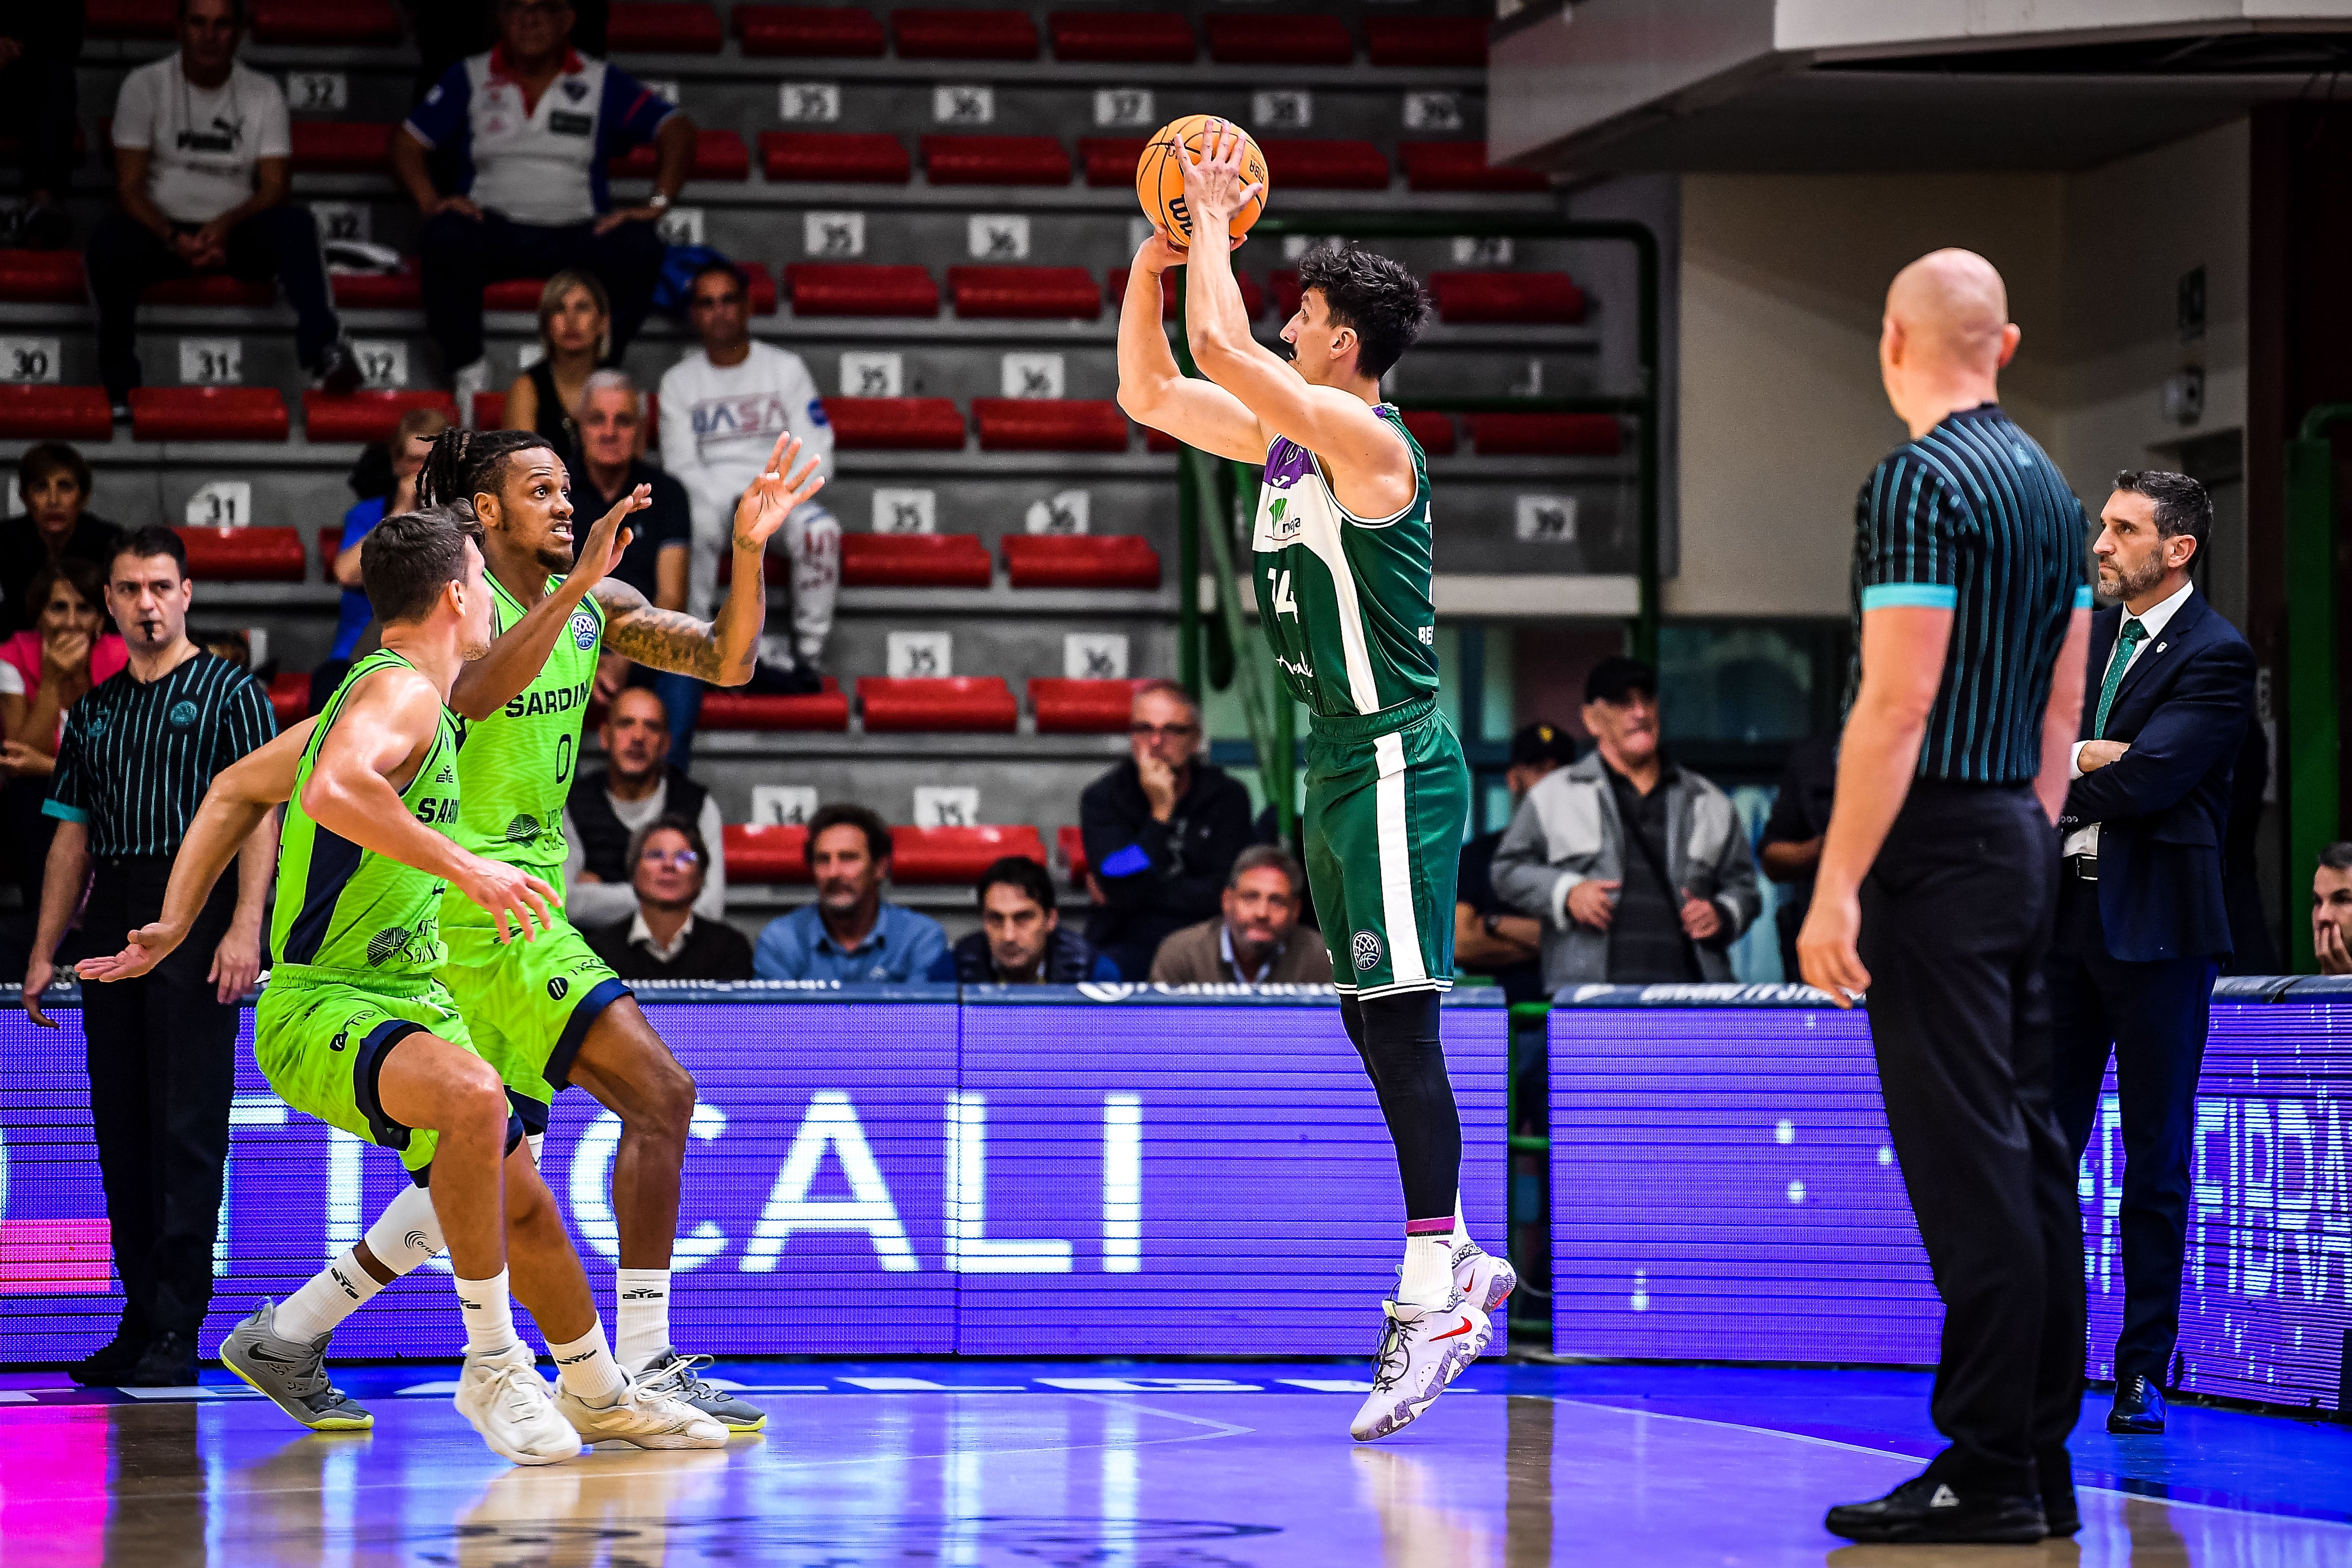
<point>1956,918</point>
<point>162,1055</point>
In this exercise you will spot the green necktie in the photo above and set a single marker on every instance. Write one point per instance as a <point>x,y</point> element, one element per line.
<point>2132,635</point>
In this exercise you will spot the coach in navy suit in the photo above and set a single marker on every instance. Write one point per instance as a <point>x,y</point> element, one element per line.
<point>2143,924</point>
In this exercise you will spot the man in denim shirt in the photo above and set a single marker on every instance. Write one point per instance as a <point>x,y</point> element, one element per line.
<point>849,935</point>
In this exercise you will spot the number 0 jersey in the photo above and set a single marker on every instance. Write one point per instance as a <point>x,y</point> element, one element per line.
<point>518,763</point>
<point>340,907</point>
<point>1344,600</point>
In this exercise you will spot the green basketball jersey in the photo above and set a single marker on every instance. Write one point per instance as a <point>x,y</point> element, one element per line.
<point>518,763</point>
<point>1344,600</point>
<point>340,907</point>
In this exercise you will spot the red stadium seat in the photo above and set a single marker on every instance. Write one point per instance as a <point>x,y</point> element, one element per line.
<point>763,851</point>
<point>718,155</point>
<point>342,146</point>
<point>1049,424</point>
<point>1025,292</point>
<point>1081,708</point>
<point>34,411</point>
<point>290,695</point>
<point>856,288</point>
<point>1253,296</point>
<point>895,424</point>
<point>1132,38</point>
<point>514,294</point>
<point>1313,164</point>
<point>365,415</point>
<point>958,854</point>
<point>1080,561</point>
<point>1111,160</point>
<point>378,290</point>
<point>735,709</point>
<point>42,278</point>
<point>1547,435</point>
<point>1160,441</point>
<point>995,161</point>
<point>1284,38</point>
<point>1462,166</point>
<point>489,410</point>
<point>215,289</point>
<point>208,413</point>
<point>923,34</point>
<point>914,560</point>
<point>1513,298</point>
<point>1286,292</point>
<point>961,703</point>
<point>245,555</point>
<point>132,18</point>
<point>763,288</point>
<point>330,545</point>
<point>1071,842</point>
<point>344,24</point>
<point>663,26</point>
<point>872,158</point>
<point>809,32</point>
<point>1426,41</point>
<point>1434,431</point>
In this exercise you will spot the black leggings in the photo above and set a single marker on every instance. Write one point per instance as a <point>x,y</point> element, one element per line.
<point>1397,1037</point>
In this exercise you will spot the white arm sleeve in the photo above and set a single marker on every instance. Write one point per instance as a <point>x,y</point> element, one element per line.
<point>711,905</point>
<point>682,460</point>
<point>274,133</point>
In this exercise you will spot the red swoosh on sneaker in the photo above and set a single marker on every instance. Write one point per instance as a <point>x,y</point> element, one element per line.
<point>1450,1333</point>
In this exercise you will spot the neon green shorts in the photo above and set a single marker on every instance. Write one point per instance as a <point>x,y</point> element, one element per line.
<point>527,1003</point>
<point>1386,804</point>
<point>320,1037</point>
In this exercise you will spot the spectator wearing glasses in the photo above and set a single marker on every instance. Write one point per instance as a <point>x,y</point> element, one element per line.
<point>1253,941</point>
<point>670,937</point>
<point>1163,830</point>
<point>1022,940</point>
<point>849,934</point>
<point>609,809</point>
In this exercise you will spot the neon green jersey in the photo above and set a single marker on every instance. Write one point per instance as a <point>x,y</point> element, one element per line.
<point>518,763</point>
<point>340,907</point>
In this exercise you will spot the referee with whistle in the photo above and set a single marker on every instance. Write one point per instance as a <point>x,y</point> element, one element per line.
<point>1936,893</point>
<point>139,752</point>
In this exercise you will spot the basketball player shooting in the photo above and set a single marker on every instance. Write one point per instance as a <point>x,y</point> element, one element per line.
<point>1341,564</point>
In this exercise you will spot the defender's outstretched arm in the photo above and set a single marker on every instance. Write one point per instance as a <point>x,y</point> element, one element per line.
<point>1153,392</point>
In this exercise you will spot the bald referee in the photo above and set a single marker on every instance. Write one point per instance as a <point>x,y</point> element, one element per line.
<point>1937,895</point>
<point>139,752</point>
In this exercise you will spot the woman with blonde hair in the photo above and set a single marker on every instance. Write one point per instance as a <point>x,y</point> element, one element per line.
<point>575,338</point>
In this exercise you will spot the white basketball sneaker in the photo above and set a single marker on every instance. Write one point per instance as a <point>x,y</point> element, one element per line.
<point>643,1414</point>
<point>1421,1351</point>
<point>503,1396</point>
<point>1487,1281</point>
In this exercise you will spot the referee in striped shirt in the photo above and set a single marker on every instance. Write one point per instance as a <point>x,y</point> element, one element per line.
<point>139,752</point>
<point>1937,890</point>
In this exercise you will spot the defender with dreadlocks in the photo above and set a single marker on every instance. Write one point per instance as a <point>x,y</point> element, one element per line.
<point>1342,566</point>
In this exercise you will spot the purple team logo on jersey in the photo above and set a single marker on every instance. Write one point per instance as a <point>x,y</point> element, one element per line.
<point>1286,462</point>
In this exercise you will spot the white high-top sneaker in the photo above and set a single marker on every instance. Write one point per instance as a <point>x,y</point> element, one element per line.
<point>1422,1350</point>
<point>1487,1281</point>
<point>504,1397</point>
<point>643,1414</point>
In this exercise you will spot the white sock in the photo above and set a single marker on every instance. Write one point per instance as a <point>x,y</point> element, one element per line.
<point>535,1140</point>
<point>407,1234</point>
<point>490,1315</point>
<point>586,1367</point>
<point>644,1296</point>
<point>1462,1231</point>
<point>1428,1270</point>
<point>326,1298</point>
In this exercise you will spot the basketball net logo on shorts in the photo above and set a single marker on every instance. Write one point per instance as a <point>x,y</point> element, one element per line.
<point>583,630</point>
<point>1367,949</point>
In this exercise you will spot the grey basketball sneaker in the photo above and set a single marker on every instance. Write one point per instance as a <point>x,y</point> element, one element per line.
<point>674,1374</point>
<point>292,1373</point>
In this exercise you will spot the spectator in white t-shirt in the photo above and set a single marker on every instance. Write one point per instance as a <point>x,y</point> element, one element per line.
<point>722,407</point>
<point>607,809</point>
<point>202,160</point>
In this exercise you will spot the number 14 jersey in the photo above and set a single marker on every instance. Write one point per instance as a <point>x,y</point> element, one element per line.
<point>516,764</point>
<point>1345,600</point>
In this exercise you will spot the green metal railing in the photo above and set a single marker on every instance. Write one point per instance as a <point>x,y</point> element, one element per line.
<point>2312,763</point>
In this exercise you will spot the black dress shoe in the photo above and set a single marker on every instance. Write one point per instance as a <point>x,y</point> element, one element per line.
<point>170,1362</point>
<point>2139,1408</point>
<point>113,1360</point>
<point>1925,1509</point>
<point>2054,1473</point>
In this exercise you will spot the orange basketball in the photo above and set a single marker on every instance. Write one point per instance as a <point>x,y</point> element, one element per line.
<point>1159,183</point>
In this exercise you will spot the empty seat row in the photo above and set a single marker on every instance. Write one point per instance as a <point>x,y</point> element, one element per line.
<point>879,157</point>
<point>762,852</point>
<point>1147,38</point>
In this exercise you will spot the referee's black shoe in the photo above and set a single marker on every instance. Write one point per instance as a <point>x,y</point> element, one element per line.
<point>113,1360</point>
<point>170,1362</point>
<point>2054,1474</point>
<point>2139,1408</point>
<point>1925,1509</point>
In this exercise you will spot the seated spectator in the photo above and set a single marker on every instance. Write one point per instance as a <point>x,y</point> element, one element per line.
<point>70,648</point>
<point>203,161</point>
<point>609,807</point>
<point>533,123</point>
<point>1638,869</point>
<point>40,41</point>
<point>575,334</point>
<point>1020,940</point>
<point>849,934</point>
<point>2331,910</point>
<point>1256,940</point>
<point>384,479</point>
<point>1790,846</point>
<point>1490,937</point>
<point>670,937</point>
<point>1161,831</point>
<point>611,418</point>
<point>53,481</point>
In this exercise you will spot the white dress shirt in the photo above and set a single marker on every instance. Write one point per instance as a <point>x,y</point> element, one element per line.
<point>2085,841</point>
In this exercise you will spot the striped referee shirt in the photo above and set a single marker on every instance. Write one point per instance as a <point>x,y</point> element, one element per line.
<point>1974,517</point>
<point>137,757</point>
